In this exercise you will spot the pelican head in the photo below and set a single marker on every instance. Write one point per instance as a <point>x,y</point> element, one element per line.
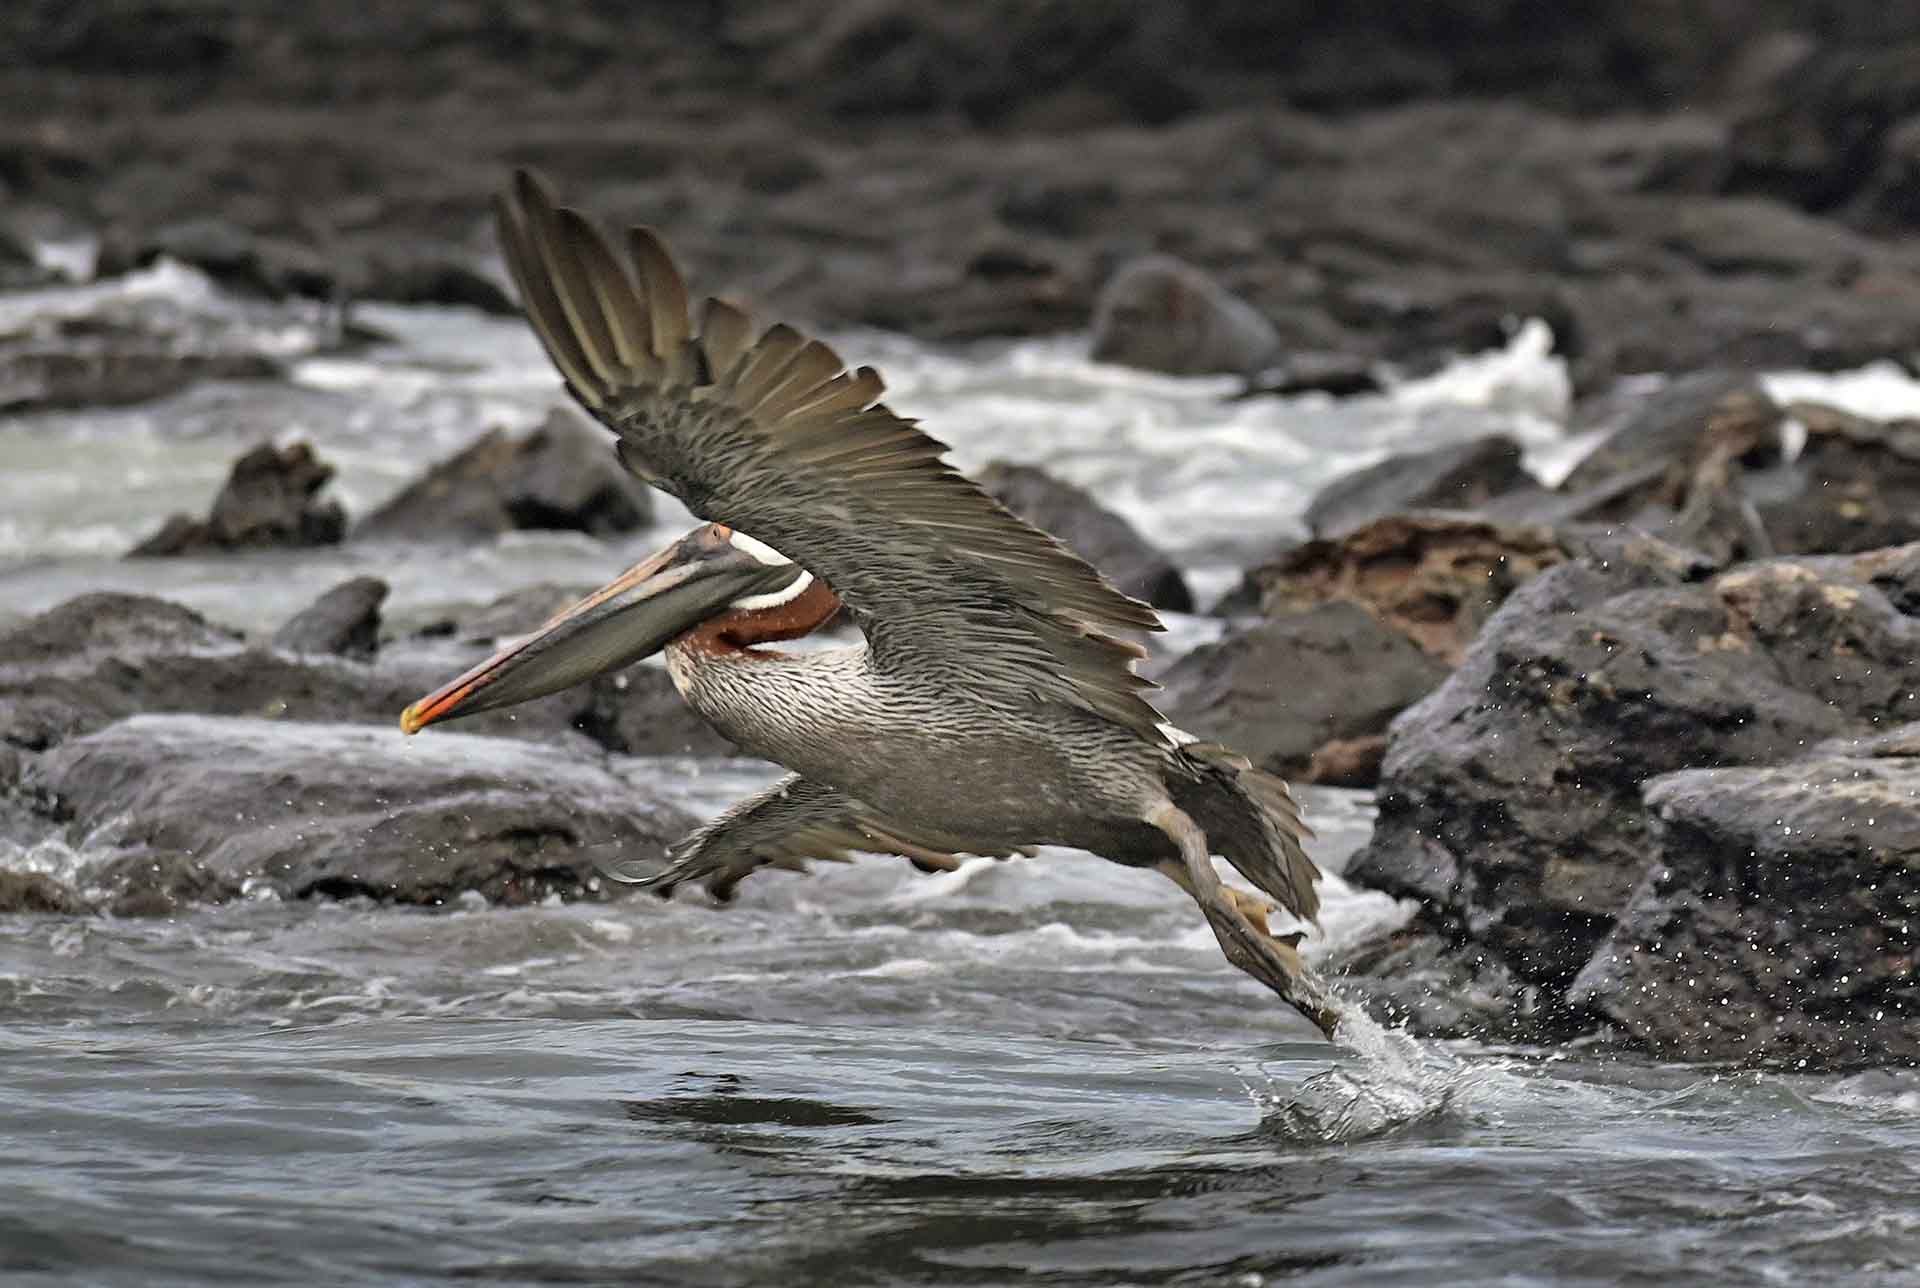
<point>711,572</point>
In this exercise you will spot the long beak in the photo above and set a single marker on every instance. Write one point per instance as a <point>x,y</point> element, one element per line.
<point>629,618</point>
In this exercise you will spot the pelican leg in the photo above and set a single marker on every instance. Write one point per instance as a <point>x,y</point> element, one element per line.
<point>1239,922</point>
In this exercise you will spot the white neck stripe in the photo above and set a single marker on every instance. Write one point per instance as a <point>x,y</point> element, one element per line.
<point>775,598</point>
<point>760,550</point>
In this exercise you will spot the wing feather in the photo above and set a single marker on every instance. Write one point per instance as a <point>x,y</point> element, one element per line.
<point>785,826</point>
<point>774,436</point>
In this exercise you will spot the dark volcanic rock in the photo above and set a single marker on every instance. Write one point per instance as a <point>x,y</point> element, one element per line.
<point>233,256</point>
<point>1165,315</point>
<point>1433,577</point>
<point>1857,485</point>
<point>562,475</point>
<point>1090,530</point>
<point>143,883</point>
<point>1338,374</point>
<point>1510,798</point>
<point>1419,981</point>
<point>1653,454</point>
<point>337,811</point>
<point>269,500</point>
<point>344,620</point>
<point>96,373</point>
<point>1459,476</point>
<point>1282,690</point>
<point>1780,920</point>
<point>37,892</point>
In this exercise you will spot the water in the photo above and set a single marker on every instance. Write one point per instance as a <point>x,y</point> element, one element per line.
<point>1037,1071</point>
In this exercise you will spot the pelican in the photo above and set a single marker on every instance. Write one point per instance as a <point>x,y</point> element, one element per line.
<point>991,706</point>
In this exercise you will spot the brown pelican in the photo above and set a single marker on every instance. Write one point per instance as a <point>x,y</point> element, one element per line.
<point>990,707</point>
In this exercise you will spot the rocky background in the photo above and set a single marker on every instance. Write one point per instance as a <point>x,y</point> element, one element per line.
<point>1644,741</point>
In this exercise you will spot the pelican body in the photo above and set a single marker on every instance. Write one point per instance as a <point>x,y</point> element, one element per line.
<point>991,706</point>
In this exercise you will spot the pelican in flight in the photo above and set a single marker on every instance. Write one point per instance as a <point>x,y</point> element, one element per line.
<point>991,707</point>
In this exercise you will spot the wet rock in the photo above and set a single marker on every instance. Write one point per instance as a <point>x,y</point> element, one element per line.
<point>1162,314</point>
<point>232,256</point>
<point>1339,375</point>
<point>269,500</point>
<point>344,620</point>
<point>1419,981</point>
<point>1280,692</point>
<point>1856,485</point>
<point>37,892</point>
<point>1660,443</point>
<point>1435,578</point>
<point>1459,476</point>
<point>1777,922</point>
<point>338,811</point>
<point>147,884</point>
<point>1092,531</point>
<point>563,475</point>
<point>41,378</point>
<point>1510,797</point>
<point>403,270</point>
<point>1347,762</point>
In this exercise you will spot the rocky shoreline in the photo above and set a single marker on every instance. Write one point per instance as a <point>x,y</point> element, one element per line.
<point>1643,740</point>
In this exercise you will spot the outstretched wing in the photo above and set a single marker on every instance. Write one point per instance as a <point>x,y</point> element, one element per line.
<point>773,436</point>
<point>785,826</point>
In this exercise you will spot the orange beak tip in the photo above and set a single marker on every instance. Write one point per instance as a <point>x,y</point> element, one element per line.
<point>410,721</point>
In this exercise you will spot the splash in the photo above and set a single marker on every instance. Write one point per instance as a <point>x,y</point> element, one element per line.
<point>1390,1082</point>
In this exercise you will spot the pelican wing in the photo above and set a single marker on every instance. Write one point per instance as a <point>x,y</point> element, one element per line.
<point>785,826</point>
<point>772,435</point>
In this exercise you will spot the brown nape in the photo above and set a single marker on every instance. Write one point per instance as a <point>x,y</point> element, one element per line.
<point>737,629</point>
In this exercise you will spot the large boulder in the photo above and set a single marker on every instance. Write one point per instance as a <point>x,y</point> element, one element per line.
<point>563,475</point>
<point>1283,690</point>
<point>1510,798</point>
<point>337,811</point>
<point>270,500</point>
<point>1090,530</point>
<point>1780,917</point>
<point>1457,476</point>
<point>1163,314</point>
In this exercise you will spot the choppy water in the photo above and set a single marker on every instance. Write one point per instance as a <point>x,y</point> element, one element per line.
<point>1037,1071</point>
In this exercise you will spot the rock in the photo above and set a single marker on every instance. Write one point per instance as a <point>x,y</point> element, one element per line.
<point>1857,485</point>
<point>337,811</point>
<point>1347,762</point>
<point>1420,982</point>
<point>42,377</point>
<point>1653,454</point>
<point>1283,690</point>
<point>232,256</point>
<point>1435,578</point>
<point>1509,799</point>
<point>1162,314</point>
<point>1339,375</point>
<point>344,620</point>
<point>37,892</point>
<point>408,270</point>
<point>145,884</point>
<point>1777,922</point>
<point>269,501</point>
<point>1458,476</point>
<point>563,475</point>
<point>1090,530</point>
